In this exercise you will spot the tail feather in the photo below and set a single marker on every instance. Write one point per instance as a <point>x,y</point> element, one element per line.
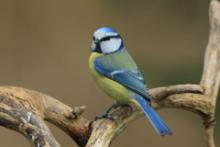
<point>158,124</point>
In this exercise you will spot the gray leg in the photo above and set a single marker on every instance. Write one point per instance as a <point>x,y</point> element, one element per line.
<point>106,113</point>
<point>113,106</point>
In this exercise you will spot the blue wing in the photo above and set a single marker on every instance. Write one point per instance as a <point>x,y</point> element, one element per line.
<point>121,68</point>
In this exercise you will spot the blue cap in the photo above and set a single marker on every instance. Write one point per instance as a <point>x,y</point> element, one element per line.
<point>106,29</point>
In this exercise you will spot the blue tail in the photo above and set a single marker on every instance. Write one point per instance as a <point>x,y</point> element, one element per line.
<point>158,124</point>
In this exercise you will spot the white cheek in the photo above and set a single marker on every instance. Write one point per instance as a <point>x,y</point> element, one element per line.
<point>111,45</point>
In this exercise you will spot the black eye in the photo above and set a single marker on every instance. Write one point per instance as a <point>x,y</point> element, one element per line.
<point>93,38</point>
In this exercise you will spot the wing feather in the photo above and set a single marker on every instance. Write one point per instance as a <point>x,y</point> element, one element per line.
<point>121,68</point>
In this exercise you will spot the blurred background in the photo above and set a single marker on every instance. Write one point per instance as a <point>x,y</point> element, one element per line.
<point>45,45</point>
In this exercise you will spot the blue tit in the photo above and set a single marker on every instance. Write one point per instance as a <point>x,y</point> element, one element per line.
<point>117,74</point>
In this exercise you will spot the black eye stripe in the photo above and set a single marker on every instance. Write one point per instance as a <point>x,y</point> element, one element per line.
<point>105,39</point>
<point>108,38</point>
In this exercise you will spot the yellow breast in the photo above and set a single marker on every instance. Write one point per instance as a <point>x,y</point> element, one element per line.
<point>115,90</point>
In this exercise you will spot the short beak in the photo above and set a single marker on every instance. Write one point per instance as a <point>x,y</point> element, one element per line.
<point>94,45</point>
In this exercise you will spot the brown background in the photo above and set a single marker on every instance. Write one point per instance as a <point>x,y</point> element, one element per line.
<point>45,45</point>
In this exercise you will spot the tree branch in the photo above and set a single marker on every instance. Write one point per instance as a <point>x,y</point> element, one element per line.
<point>16,113</point>
<point>211,77</point>
<point>70,119</point>
<point>25,110</point>
<point>211,71</point>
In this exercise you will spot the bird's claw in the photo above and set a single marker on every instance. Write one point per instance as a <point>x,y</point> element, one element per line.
<point>105,116</point>
<point>132,109</point>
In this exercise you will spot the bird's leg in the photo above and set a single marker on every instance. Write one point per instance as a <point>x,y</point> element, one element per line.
<point>127,105</point>
<point>113,106</point>
<point>106,113</point>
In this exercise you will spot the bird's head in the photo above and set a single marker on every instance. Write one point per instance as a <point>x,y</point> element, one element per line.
<point>106,40</point>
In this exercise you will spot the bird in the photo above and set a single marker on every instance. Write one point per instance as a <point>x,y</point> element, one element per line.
<point>119,77</point>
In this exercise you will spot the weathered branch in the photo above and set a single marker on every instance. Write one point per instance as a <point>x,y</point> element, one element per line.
<point>21,115</point>
<point>25,110</point>
<point>211,71</point>
<point>104,131</point>
<point>70,119</point>
<point>210,77</point>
